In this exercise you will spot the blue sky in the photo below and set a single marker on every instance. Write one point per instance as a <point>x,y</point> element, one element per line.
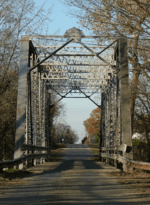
<point>78,110</point>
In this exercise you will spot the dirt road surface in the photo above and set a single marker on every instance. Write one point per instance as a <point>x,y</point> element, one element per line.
<point>76,179</point>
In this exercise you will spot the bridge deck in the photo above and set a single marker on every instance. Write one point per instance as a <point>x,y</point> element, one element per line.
<point>74,180</point>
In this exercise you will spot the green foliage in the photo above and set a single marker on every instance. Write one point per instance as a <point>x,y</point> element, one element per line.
<point>95,151</point>
<point>13,170</point>
<point>84,140</point>
<point>137,142</point>
<point>98,137</point>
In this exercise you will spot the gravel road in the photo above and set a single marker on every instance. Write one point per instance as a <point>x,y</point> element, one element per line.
<point>75,180</point>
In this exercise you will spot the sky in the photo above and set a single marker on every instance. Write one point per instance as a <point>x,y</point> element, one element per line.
<point>77,110</point>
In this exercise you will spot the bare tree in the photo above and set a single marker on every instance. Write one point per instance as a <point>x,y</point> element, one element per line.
<point>65,132</point>
<point>142,108</point>
<point>17,17</point>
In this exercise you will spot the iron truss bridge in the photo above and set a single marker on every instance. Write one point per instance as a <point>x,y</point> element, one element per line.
<point>72,66</point>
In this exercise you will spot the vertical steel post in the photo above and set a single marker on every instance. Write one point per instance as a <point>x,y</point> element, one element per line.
<point>47,133</point>
<point>117,115</point>
<point>34,79</point>
<point>48,120</point>
<point>40,107</point>
<point>112,121</point>
<point>103,122</point>
<point>109,115</point>
<point>101,126</point>
<point>27,133</point>
<point>42,135</point>
<point>125,102</point>
<point>107,122</point>
<point>113,114</point>
<point>21,99</point>
<point>113,111</point>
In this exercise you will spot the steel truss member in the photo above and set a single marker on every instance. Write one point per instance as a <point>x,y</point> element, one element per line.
<point>72,68</point>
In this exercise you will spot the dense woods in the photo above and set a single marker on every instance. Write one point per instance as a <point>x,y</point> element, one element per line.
<point>63,133</point>
<point>60,132</point>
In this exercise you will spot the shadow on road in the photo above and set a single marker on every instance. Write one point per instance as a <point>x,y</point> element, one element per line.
<point>75,180</point>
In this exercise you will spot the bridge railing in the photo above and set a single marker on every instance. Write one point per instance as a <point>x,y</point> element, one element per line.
<point>25,158</point>
<point>118,158</point>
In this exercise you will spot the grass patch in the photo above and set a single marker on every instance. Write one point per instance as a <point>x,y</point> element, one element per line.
<point>93,145</point>
<point>59,145</point>
<point>137,142</point>
<point>13,170</point>
<point>15,173</point>
<point>95,151</point>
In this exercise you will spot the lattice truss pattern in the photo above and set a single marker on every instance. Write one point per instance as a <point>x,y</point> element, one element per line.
<point>111,114</point>
<point>75,68</point>
<point>71,66</point>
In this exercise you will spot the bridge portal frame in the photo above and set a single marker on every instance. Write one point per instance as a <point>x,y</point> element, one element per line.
<point>29,107</point>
